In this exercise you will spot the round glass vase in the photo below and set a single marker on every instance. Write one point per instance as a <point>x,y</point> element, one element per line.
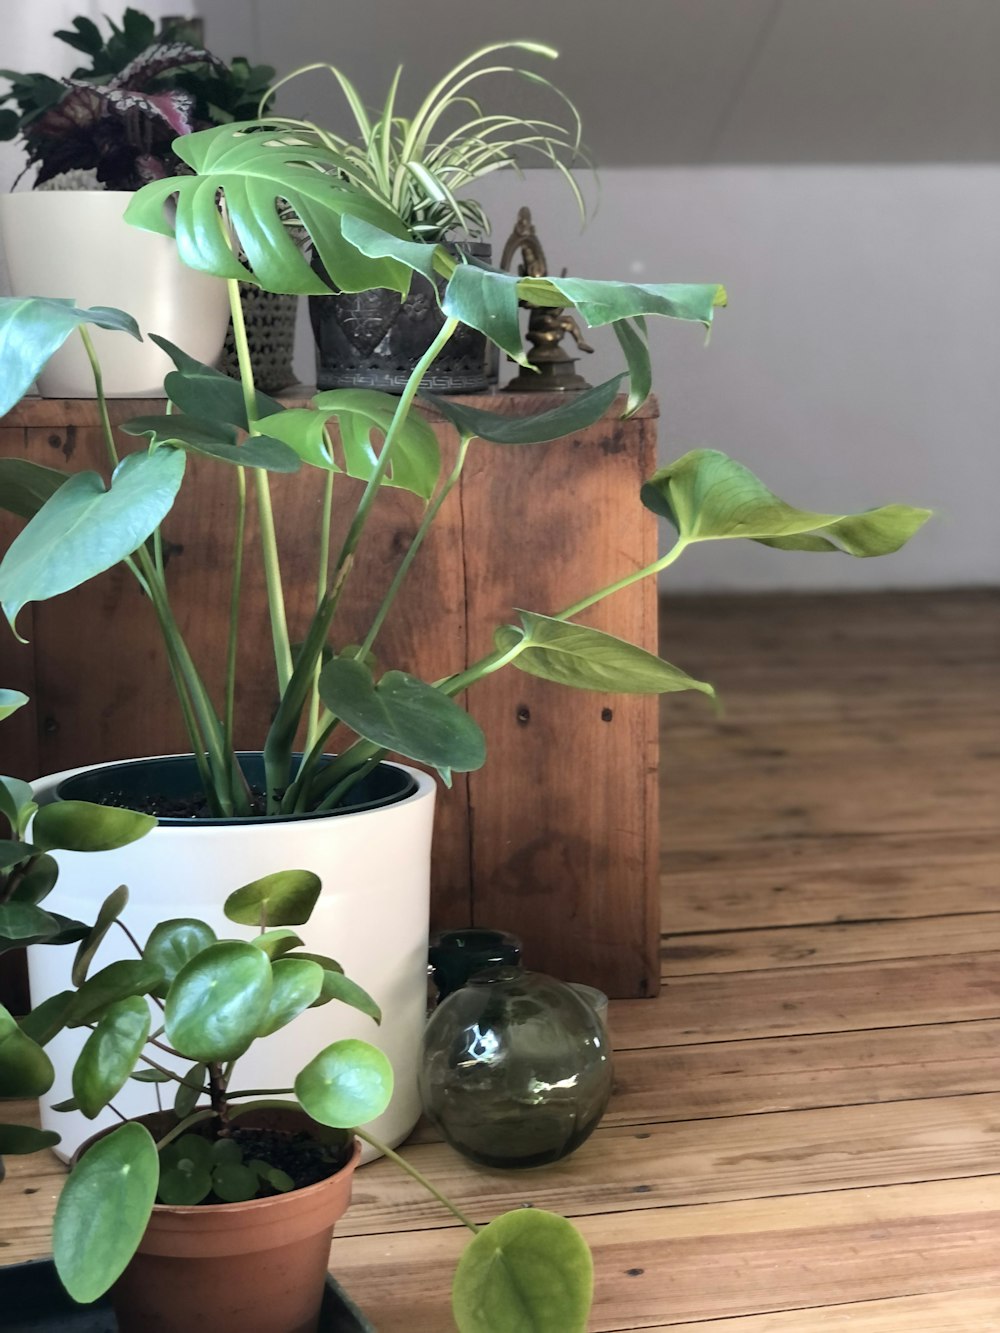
<point>515,1069</point>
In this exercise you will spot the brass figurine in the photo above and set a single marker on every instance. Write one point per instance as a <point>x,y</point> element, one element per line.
<point>547,325</point>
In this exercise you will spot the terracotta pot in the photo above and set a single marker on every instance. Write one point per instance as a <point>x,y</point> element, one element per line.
<point>256,1267</point>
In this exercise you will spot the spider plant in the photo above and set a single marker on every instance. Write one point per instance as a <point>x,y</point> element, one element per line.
<point>418,165</point>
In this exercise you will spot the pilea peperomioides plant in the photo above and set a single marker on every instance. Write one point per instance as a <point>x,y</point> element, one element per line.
<point>180,1015</point>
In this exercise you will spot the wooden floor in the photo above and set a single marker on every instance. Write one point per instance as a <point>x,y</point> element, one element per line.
<point>805,1134</point>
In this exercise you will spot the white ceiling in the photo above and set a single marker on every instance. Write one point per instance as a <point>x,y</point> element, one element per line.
<point>680,81</point>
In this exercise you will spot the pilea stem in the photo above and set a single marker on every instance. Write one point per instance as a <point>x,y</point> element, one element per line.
<point>418,1176</point>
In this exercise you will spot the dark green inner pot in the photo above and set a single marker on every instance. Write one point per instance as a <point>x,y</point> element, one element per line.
<point>176,777</point>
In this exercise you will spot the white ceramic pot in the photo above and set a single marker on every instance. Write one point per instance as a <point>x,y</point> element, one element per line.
<point>74,243</point>
<point>372,917</point>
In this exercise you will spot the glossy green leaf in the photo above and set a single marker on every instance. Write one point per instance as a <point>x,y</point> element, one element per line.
<point>234,1183</point>
<point>25,921</point>
<point>358,413</point>
<point>338,987</point>
<point>150,1076</point>
<point>68,1104</point>
<point>579,411</point>
<point>109,1054</point>
<point>297,986</point>
<point>25,1069</point>
<point>33,327</point>
<point>184,1184</point>
<point>277,1179</point>
<point>17,1140</point>
<point>347,1084</point>
<point>708,496</point>
<point>115,982</point>
<point>13,851</point>
<point>631,335</point>
<point>203,391</point>
<point>25,486</point>
<point>103,1210</point>
<point>386,244</point>
<point>253,172</point>
<point>218,1001</point>
<point>111,909</point>
<point>529,1271</point>
<point>47,1019</point>
<point>213,440</point>
<point>172,944</point>
<point>17,802</point>
<point>487,299</point>
<point>602,302</point>
<point>402,713</point>
<point>277,942</point>
<point>85,529</point>
<point>65,931</point>
<point>284,898</point>
<point>10,702</point>
<point>189,1092</point>
<point>38,881</point>
<point>79,826</point>
<point>589,659</point>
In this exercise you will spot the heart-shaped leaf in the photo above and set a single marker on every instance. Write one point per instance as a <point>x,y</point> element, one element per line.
<point>25,1069</point>
<point>115,982</point>
<point>80,826</point>
<point>284,898</point>
<point>589,659</point>
<point>297,985</point>
<point>84,529</point>
<point>111,909</point>
<point>33,327</point>
<point>217,1002</point>
<point>203,391</point>
<point>347,1084</point>
<point>529,1271</point>
<point>213,440</point>
<point>404,714</point>
<point>109,1054</point>
<point>486,299</point>
<point>104,1209</point>
<point>579,411</point>
<point>25,486</point>
<point>708,496</point>
<point>172,944</point>
<point>253,171</point>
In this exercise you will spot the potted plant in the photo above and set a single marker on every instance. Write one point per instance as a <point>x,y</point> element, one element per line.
<point>94,138</point>
<point>292,802</point>
<point>418,167</point>
<point>248,1185</point>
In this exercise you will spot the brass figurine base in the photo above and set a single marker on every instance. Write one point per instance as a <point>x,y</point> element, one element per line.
<point>549,377</point>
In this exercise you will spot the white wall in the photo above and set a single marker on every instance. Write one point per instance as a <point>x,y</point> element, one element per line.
<point>858,361</point>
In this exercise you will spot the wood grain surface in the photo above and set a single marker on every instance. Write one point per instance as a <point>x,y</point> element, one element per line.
<point>805,1132</point>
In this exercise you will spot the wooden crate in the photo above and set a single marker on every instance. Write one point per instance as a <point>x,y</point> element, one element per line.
<point>556,838</point>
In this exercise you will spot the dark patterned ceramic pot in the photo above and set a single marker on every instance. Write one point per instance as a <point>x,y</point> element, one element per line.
<point>374,339</point>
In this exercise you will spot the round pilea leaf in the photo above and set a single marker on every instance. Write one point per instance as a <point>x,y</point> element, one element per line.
<point>172,944</point>
<point>110,1053</point>
<point>529,1271</point>
<point>217,1002</point>
<point>285,898</point>
<point>115,982</point>
<point>277,942</point>
<point>189,1091</point>
<point>297,985</point>
<point>103,1211</point>
<point>17,1139</point>
<point>234,1183</point>
<point>347,1084</point>
<point>79,826</point>
<point>111,909</point>
<point>25,1069</point>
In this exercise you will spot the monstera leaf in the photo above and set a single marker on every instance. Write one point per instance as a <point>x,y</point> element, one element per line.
<point>255,168</point>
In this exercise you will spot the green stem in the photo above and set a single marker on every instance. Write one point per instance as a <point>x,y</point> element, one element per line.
<point>102,405</point>
<point>177,1078</point>
<point>234,608</point>
<point>322,577</point>
<point>418,1176</point>
<point>415,545</point>
<point>663,563</point>
<point>183,1126</point>
<point>262,1092</point>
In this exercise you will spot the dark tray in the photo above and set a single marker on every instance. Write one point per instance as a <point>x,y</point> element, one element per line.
<point>32,1300</point>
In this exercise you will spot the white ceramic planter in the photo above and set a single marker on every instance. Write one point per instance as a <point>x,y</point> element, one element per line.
<point>372,917</point>
<point>69,243</point>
